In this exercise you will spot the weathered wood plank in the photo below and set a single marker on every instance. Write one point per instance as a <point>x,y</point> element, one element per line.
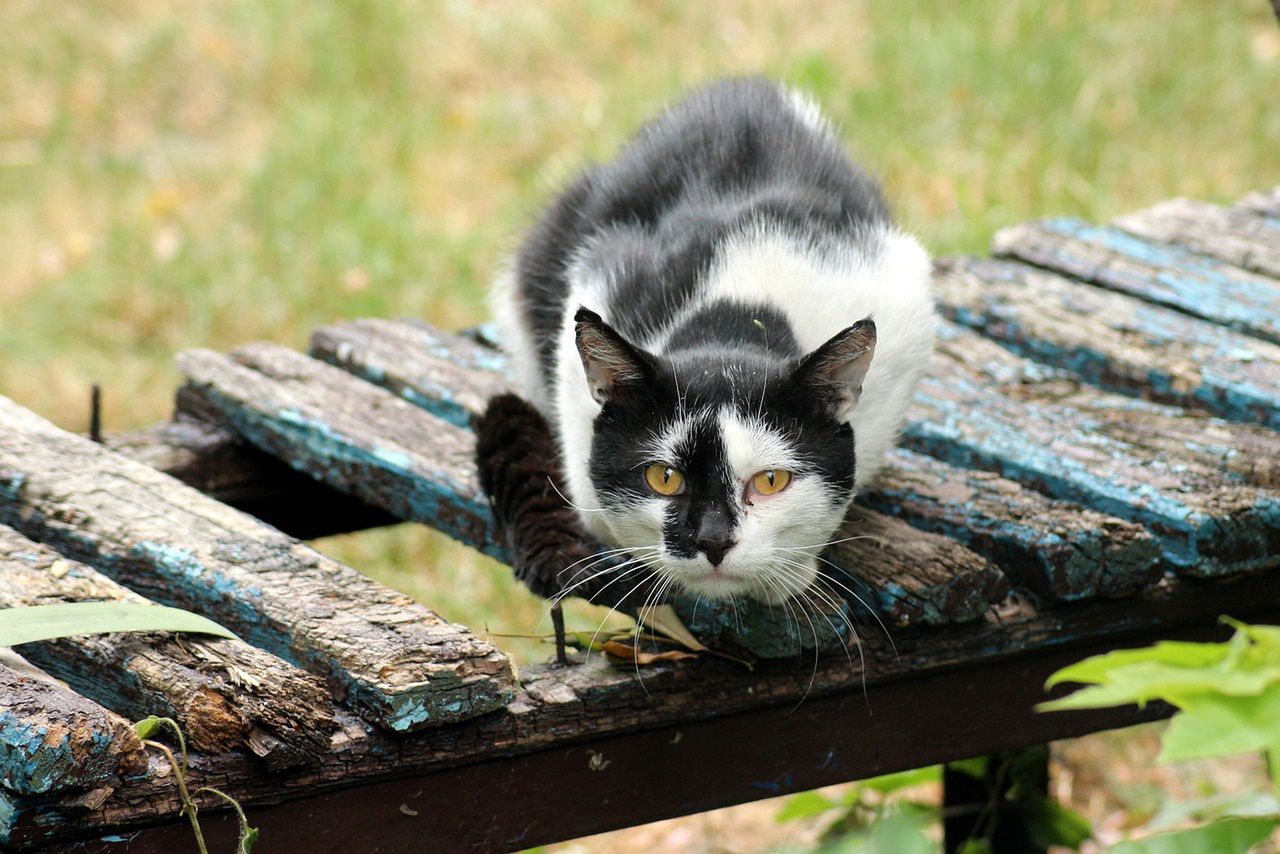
<point>1114,340</point>
<point>225,694</point>
<point>1055,549</point>
<point>394,659</point>
<point>585,705</point>
<point>1165,275</point>
<point>983,407</point>
<point>52,739</point>
<point>448,375</point>
<point>997,517</point>
<point>349,434</point>
<point>1235,235</point>
<point>1264,202</point>
<point>960,585</point>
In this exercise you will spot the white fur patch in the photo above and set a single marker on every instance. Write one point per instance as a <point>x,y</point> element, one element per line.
<point>824,289</point>
<point>808,111</point>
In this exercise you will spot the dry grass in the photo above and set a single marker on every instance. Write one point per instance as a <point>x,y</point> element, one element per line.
<point>175,174</point>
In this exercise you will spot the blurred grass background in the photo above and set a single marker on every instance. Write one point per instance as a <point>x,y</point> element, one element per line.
<point>178,174</point>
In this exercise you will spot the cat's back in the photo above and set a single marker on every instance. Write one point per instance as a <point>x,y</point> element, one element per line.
<point>635,237</point>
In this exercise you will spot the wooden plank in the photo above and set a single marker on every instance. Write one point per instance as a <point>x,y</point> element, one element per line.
<point>1114,340</point>
<point>52,739</point>
<point>901,582</point>
<point>1235,235</point>
<point>1057,550</point>
<point>448,375</point>
<point>225,694</point>
<point>392,658</point>
<point>983,407</point>
<point>1161,274</point>
<point>1262,202</point>
<point>580,711</point>
<point>1067,559</point>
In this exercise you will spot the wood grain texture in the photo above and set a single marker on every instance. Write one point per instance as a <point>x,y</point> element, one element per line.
<point>1166,275</point>
<point>392,658</point>
<point>52,739</point>
<point>584,705</point>
<point>225,694</point>
<point>349,434</point>
<point>1262,202</point>
<point>961,586</point>
<point>1232,234</point>
<point>1183,478</point>
<point>1114,340</point>
<point>1068,558</point>
<point>1055,549</point>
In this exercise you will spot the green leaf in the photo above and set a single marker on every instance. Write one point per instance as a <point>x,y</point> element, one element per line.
<point>902,780</point>
<point>1052,824</point>
<point>49,622</point>
<point>1210,807</point>
<point>147,727</point>
<point>975,846</point>
<point>1210,725</point>
<point>587,641</point>
<point>1177,653</point>
<point>1226,834</point>
<point>804,805</point>
<point>248,838</point>
<point>904,829</point>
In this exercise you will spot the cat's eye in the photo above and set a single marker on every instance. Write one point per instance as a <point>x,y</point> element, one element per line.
<point>663,479</point>
<point>770,481</point>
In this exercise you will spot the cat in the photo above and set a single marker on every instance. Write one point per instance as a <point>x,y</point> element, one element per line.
<point>724,330</point>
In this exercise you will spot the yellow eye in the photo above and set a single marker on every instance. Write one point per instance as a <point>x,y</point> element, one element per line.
<point>770,481</point>
<point>663,479</point>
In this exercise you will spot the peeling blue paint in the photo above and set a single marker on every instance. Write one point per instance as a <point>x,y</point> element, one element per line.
<point>1194,283</point>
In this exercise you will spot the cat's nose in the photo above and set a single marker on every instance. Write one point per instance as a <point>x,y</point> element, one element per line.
<point>715,548</point>
<point>715,535</point>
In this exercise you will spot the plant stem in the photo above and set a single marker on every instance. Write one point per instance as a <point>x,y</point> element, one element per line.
<point>188,805</point>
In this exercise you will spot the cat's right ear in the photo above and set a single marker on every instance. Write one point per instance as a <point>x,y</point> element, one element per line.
<point>610,362</point>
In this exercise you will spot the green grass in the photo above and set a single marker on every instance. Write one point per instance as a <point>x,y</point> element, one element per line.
<point>178,174</point>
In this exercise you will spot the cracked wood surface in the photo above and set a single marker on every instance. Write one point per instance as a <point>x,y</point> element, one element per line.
<point>1114,340</point>
<point>358,437</point>
<point>1205,487</point>
<point>52,739</point>
<point>1159,273</point>
<point>586,703</point>
<point>388,656</point>
<point>1232,234</point>
<point>225,694</point>
<point>1055,549</point>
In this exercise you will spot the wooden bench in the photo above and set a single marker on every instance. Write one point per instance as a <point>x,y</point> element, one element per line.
<point>1093,462</point>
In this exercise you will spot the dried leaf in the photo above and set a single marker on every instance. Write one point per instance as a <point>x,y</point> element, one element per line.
<point>626,652</point>
<point>664,620</point>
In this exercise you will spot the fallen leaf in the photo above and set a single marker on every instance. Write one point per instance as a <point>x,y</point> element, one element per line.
<point>664,620</point>
<point>626,652</point>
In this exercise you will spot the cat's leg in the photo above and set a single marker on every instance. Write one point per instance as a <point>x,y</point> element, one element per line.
<point>551,552</point>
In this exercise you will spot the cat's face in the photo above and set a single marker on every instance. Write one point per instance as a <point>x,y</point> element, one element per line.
<point>726,472</point>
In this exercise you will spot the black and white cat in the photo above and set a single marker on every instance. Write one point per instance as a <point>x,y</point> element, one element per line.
<point>697,320</point>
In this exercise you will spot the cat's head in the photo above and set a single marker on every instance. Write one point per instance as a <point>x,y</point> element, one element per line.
<point>726,469</point>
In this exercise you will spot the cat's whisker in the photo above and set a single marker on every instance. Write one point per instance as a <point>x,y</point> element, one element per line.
<point>612,568</point>
<point>834,601</point>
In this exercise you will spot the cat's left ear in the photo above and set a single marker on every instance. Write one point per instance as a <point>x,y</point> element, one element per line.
<point>834,372</point>
<point>612,365</point>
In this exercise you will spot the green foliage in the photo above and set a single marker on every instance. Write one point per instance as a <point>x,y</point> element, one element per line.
<point>1228,700</point>
<point>1224,834</point>
<point>49,622</point>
